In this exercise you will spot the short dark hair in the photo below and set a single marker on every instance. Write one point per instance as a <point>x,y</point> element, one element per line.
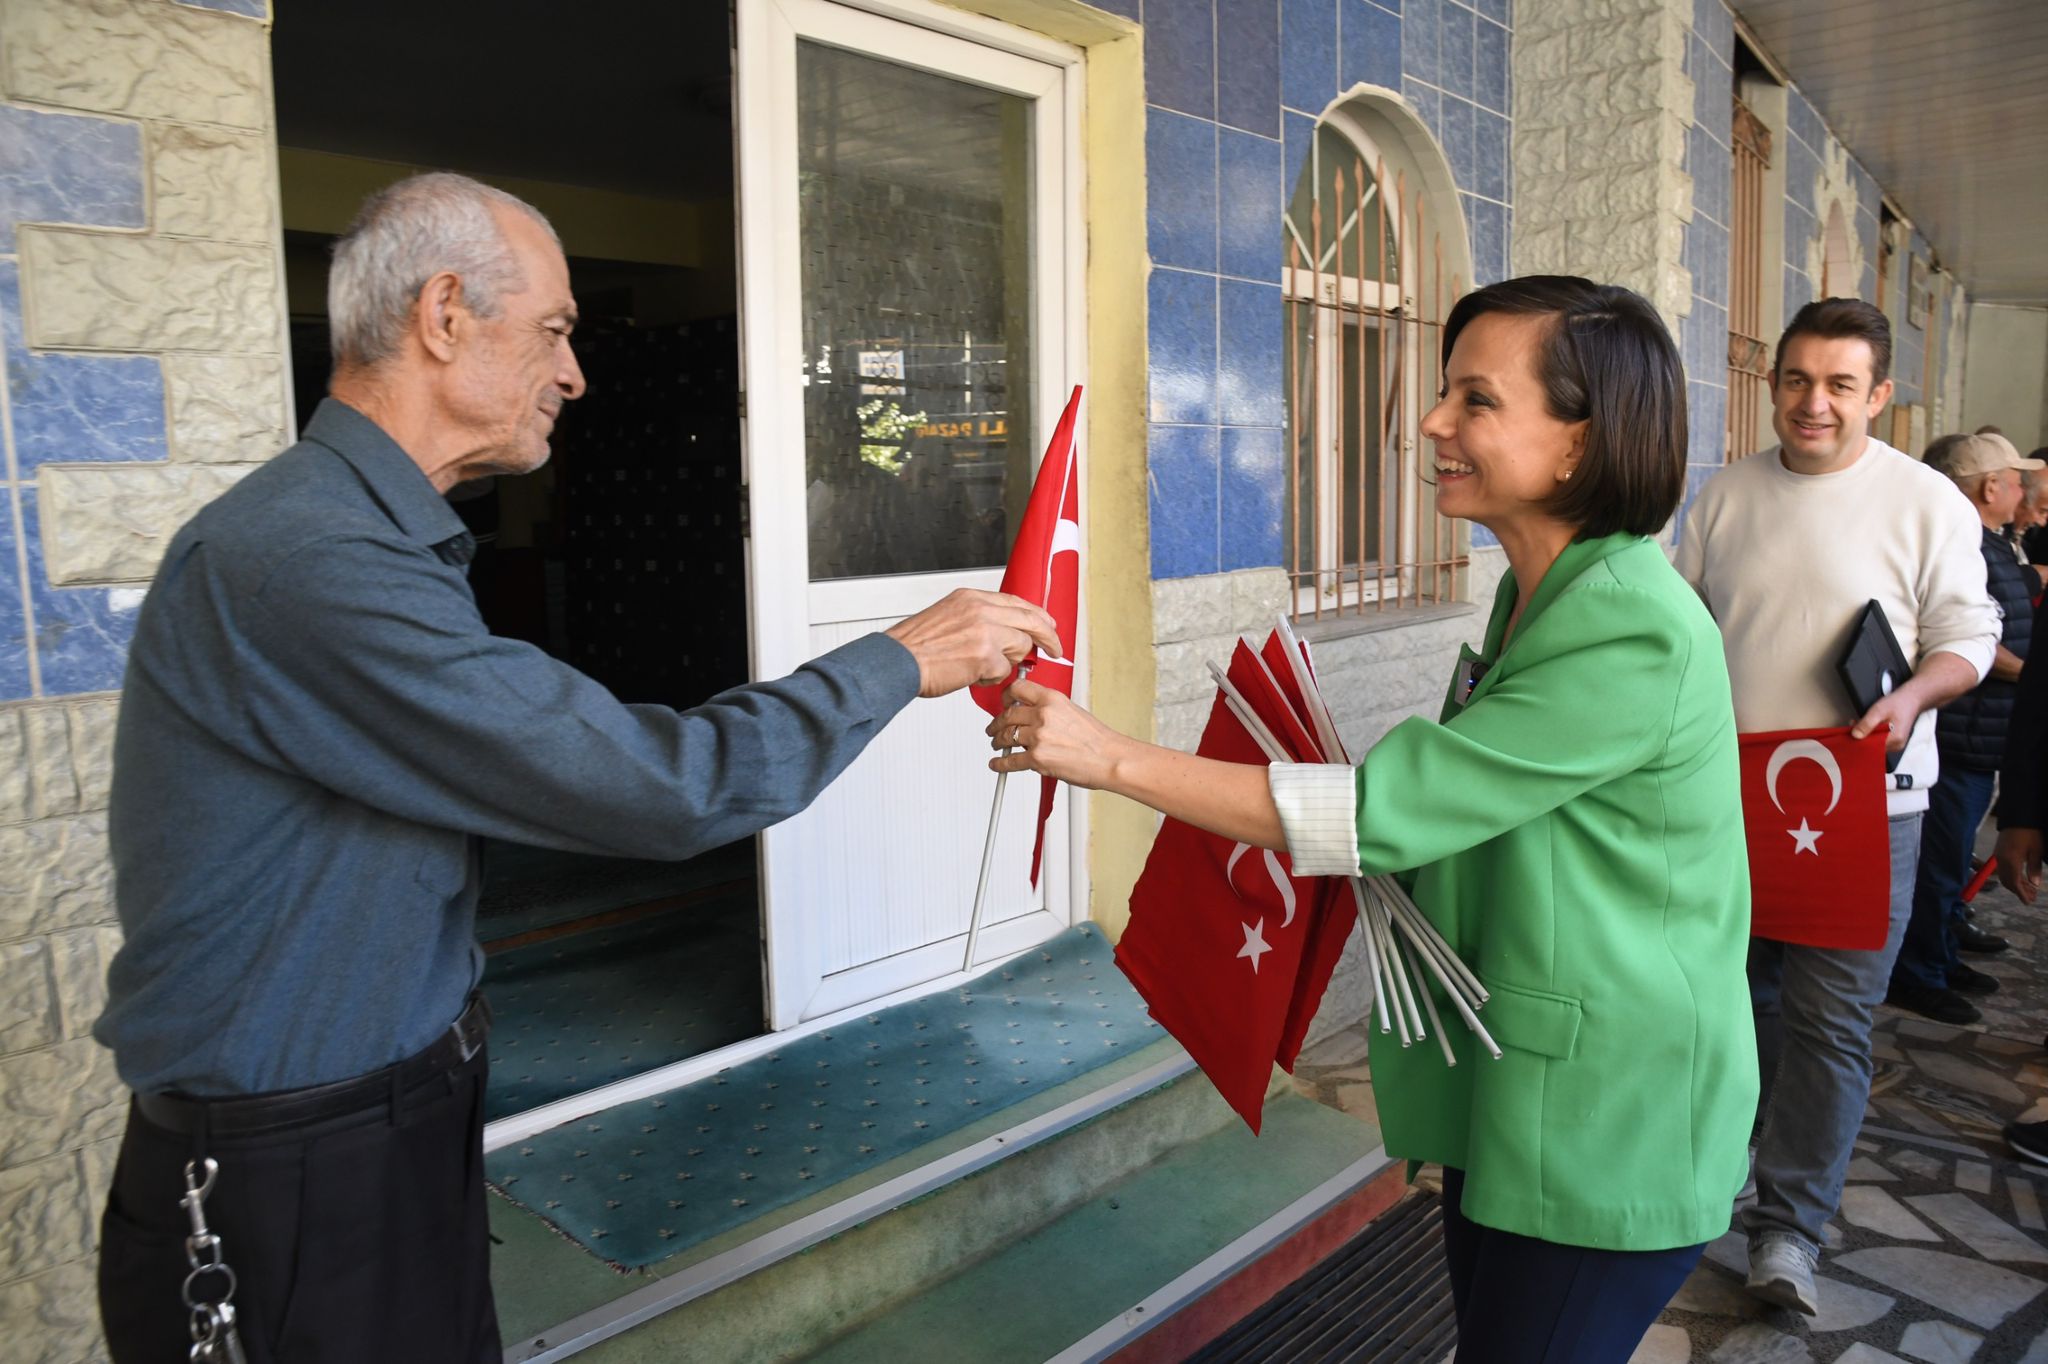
<point>1607,360</point>
<point>1838,319</point>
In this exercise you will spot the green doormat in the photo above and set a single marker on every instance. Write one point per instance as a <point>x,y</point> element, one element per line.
<point>648,1179</point>
<point>592,1007</point>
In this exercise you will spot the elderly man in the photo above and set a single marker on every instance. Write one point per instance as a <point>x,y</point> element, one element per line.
<point>316,730</point>
<point>1763,543</point>
<point>1929,977</point>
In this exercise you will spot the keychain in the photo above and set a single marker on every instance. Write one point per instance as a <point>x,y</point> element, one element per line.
<point>214,1339</point>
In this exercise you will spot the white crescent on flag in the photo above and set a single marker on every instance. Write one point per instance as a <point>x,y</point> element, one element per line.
<point>1791,751</point>
<point>1273,869</point>
<point>1066,539</point>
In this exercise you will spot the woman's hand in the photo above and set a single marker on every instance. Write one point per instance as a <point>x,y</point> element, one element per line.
<point>1052,735</point>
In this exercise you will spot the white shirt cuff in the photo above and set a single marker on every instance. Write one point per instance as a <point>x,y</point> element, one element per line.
<point>1318,805</point>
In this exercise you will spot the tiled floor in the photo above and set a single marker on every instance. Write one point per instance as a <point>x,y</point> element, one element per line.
<point>1940,1252</point>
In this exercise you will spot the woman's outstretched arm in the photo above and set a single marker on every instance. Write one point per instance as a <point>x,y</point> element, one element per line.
<point>1052,735</point>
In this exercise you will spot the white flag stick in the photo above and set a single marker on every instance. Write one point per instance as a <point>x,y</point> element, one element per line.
<point>1418,923</point>
<point>1393,950</point>
<point>988,854</point>
<point>1443,1040</point>
<point>1369,940</point>
<point>1319,710</point>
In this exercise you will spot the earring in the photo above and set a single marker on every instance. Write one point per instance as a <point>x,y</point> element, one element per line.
<point>1565,477</point>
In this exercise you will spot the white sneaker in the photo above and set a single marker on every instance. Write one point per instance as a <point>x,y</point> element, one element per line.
<point>1781,1271</point>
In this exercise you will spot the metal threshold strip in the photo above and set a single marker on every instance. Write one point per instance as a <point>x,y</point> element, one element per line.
<point>1135,1321</point>
<point>666,1294</point>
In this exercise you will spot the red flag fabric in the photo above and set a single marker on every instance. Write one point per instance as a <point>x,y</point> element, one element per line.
<point>1216,938</point>
<point>1045,570</point>
<point>1813,807</point>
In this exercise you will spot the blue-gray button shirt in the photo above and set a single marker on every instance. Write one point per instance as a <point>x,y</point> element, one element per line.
<point>316,728</point>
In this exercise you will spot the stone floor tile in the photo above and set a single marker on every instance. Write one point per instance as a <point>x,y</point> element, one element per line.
<point>2006,1046</point>
<point>1982,1294</point>
<point>1883,1050</point>
<point>1730,1250</point>
<point>1973,1176</point>
<point>1939,1342</point>
<point>1831,1236</point>
<point>2026,1202</point>
<point>1911,1115</point>
<point>1345,1047</point>
<point>1875,1210</point>
<point>1918,1163</point>
<point>1962,1073</point>
<point>1845,1307</point>
<point>2037,1353</point>
<point>1759,1344</point>
<point>1711,1293</point>
<point>2033,1112</point>
<point>1984,1232</point>
<point>1663,1345</point>
<point>1927,1031</point>
<point>1862,1353</point>
<point>1866,1169</point>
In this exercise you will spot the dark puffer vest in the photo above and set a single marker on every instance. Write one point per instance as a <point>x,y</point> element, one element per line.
<point>1970,730</point>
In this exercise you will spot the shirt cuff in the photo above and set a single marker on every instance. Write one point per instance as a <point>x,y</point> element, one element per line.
<point>1318,805</point>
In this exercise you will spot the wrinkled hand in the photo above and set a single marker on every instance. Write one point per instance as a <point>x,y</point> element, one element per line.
<point>1898,711</point>
<point>2019,862</point>
<point>969,637</point>
<point>1054,736</point>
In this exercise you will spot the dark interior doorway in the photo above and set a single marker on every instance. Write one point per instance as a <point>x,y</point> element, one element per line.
<point>624,555</point>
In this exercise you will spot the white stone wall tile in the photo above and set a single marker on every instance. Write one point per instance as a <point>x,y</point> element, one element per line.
<point>17,789</point>
<point>78,962</point>
<point>1182,672</point>
<point>48,1214</point>
<point>225,409</point>
<point>86,290</point>
<point>53,1317</point>
<point>54,875</point>
<point>53,781</point>
<point>58,1099</point>
<point>92,749</point>
<point>111,524</point>
<point>1191,608</point>
<point>96,1174</point>
<point>211,182</point>
<point>28,996</point>
<point>1258,596</point>
<point>1180,725</point>
<point>143,60</point>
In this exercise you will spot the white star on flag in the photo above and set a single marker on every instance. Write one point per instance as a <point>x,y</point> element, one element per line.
<point>1254,944</point>
<point>1806,838</point>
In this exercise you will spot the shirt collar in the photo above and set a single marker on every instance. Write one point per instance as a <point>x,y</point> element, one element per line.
<point>399,485</point>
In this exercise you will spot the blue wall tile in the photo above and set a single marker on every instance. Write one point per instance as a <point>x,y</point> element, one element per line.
<point>1180,219</point>
<point>1455,39</point>
<point>1490,155</point>
<point>1420,25</point>
<point>1180,56</point>
<point>64,168</point>
<point>1712,21</point>
<point>1248,65</point>
<point>1254,497</point>
<point>1457,140</point>
<point>1487,224</point>
<point>81,636</point>
<point>1490,66</point>
<point>1249,205</point>
<point>1373,44</point>
<point>1500,11</point>
<point>1127,8</point>
<point>78,407</point>
<point>1182,482</point>
<point>1300,131</point>
<point>1712,167</point>
<point>1181,346</point>
<point>1427,104</point>
<point>1250,386</point>
<point>1802,171</point>
<point>1308,53</point>
<point>1798,291</point>
<point>14,679</point>
<point>1707,424</point>
<point>1806,124</point>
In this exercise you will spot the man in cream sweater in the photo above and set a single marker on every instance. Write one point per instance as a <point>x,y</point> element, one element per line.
<point>1786,547</point>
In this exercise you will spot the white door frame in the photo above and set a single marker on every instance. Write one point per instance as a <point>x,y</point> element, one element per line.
<point>783,601</point>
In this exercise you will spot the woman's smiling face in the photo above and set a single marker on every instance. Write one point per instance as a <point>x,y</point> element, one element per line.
<point>1500,454</point>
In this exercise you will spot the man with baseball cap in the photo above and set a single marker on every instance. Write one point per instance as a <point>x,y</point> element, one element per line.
<point>1930,977</point>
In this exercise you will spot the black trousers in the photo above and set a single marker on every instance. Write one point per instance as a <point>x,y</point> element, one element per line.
<point>1525,1301</point>
<point>362,1238</point>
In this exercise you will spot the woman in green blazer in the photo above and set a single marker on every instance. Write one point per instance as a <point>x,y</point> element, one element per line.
<point>1574,825</point>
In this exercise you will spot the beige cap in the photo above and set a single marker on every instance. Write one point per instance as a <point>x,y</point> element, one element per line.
<point>1963,456</point>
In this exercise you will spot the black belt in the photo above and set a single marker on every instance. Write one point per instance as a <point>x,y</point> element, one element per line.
<point>291,1108</point>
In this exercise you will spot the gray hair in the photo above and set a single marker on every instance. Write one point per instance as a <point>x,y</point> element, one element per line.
<point>1941,452</point>
<point>406,234</point>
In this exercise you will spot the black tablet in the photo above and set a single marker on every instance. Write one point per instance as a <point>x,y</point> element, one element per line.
<point>1873,665</point>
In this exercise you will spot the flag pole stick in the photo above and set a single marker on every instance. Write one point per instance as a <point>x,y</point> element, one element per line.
<point>988,849</point>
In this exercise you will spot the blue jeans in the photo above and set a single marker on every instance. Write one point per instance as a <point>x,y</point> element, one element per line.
<point>1813,1009</point>
<point>1524,1301</point>
<point>1955,807</point>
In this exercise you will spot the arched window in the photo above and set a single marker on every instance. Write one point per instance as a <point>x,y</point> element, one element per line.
<point>1369,273</point>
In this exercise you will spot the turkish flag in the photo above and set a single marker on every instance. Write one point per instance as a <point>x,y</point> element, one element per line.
<point>1045,570</point>
<point>1820,867</point>
<point>1227,946</point>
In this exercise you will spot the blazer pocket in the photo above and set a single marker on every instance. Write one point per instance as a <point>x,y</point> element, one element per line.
<point>1532,1020</point>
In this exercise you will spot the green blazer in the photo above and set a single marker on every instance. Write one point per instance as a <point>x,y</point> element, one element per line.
<point>1577,826</point>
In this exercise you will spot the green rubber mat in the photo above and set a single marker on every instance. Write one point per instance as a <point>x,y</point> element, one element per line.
<point>582,1010</point>
<point>649,1179</point>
